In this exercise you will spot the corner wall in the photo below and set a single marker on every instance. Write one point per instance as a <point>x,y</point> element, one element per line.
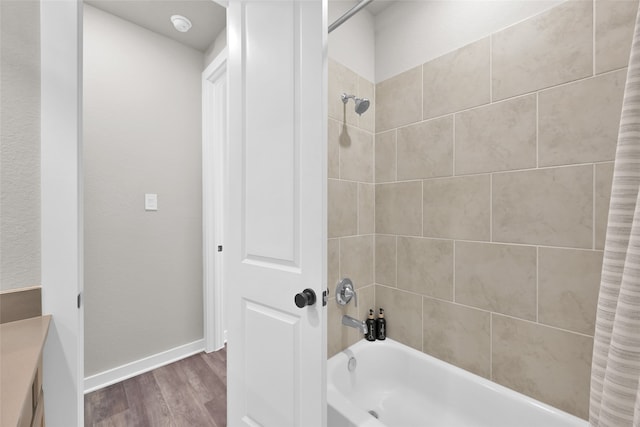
<point>142,134</point>
<point>19,144</point>
<point>493,178</point>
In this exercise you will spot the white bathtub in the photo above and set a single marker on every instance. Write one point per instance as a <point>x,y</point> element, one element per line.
<point>407,388</point>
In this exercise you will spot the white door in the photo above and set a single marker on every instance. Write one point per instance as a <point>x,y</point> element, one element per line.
<point>275,245</point>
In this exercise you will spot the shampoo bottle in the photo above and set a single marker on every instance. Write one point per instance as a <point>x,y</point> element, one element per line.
<point>371,327</point>
<point>381,326</point>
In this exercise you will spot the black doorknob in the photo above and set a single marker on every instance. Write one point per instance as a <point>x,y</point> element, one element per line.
<point>304,298</point>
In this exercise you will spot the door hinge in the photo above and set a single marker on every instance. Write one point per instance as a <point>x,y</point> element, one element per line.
<point>79,299</point>
<point>325,297</point>
<point>219,248</point>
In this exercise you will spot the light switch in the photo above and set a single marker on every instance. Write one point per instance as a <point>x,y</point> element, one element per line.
<point>150,202</point>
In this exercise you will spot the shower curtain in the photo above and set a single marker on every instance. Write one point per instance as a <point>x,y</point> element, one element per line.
<point>615,373</point>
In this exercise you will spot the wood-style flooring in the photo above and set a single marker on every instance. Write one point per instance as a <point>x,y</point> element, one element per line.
<point>187,393</point>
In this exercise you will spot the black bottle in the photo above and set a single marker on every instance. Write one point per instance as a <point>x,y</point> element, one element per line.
<point>371,327</point>
<point>381,326</point>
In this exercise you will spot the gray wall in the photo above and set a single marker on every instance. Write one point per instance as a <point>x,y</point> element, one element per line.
<point>19,144</point>
<point>142,134</point>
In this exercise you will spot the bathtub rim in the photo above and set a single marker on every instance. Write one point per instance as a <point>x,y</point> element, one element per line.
<point>359,417</point>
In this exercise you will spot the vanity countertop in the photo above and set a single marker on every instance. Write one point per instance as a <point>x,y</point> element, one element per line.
<point>21,344</point>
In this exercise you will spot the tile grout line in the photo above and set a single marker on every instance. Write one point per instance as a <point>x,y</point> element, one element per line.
<point>453,148</point>
<point>395,143</point>
<point>537,284</point>
<point>509,316</point>
<point>395,238</point>
<point>593,38</point>
<point>593,226</point>
<point>422,208</point>
<point>422,324</point>
<point>454,271</point>
<point>357,208</point>
<point>537,130</point>
<point>491,68</point>
<point>491,346</point>
<point>491,208</point>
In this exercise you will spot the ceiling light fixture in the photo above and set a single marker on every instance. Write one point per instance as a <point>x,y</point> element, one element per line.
<point>181,23</point>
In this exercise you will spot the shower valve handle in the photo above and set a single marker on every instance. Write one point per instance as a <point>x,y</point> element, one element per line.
<point>345,291</point>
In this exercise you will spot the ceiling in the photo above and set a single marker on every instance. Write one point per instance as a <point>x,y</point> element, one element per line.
<point>378,6</point>
<point>208,18</point>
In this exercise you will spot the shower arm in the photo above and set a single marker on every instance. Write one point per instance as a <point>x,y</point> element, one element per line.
<point>348,14</point>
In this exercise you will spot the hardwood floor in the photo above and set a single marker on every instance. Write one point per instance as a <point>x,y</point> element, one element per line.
<point>187,393</point>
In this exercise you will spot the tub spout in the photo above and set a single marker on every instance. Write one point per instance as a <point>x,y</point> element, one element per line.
<point>355,323</point>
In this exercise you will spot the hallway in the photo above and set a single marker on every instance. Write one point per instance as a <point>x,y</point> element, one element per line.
<point>190,392</point>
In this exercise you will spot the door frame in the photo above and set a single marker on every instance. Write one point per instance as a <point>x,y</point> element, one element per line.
<point>62,209</point>
<point>214,181</point>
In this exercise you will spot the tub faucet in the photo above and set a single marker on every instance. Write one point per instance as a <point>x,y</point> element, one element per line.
<point>355,323</point>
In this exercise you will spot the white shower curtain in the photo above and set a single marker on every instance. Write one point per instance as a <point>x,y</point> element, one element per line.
<point>615,373</point>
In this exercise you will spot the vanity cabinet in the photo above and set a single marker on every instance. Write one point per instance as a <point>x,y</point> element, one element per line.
<point>22,399</point>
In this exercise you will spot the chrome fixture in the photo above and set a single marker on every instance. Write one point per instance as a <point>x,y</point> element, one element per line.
<point>355,323</point>
<point>352,364</point>
<point>362,104</point>
<point>345,291</point>
<point>348,14</point>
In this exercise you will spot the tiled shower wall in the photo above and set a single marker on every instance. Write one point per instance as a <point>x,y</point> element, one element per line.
<point>493,168</point>
<point>351,203</point>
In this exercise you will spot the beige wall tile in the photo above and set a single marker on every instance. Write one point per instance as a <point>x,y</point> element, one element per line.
<point>615,20</point>
<point>403,312</point>
<point>356,154</point>
<point>579,122</point>
<point>552,48</point>
<point>568,288</point>
<point>458,335</point>
<point>333,147</point>
<point>425,150</point>
<point>343,208</point>
<point>341,80</point>
<point>546,207</point>
<point>356,259</point>
<point>339,336</point>
<point>498,278</point>
<point>497,137</point>
<point>457,208</point>
<point>366,301</point>
<point>604,179</point>
<point>399,208</point>
<point>366,89</point>
<point>425,266</point>
<point>457,80</point>
<point>547,364</point>
<point>385,260</point>
<point>333,263</point>
<point>386,156</point>
<point>366,208</point>
<point>399,100</point>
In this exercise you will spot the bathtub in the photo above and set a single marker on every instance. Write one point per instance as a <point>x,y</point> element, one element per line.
<point>396,386</point>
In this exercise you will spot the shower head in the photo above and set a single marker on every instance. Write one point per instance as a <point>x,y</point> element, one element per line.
<point>362,104</point>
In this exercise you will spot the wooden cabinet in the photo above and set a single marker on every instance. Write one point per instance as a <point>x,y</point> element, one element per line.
<point>21,344</point>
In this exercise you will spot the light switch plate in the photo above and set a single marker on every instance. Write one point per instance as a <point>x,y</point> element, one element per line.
<point>150,202</point>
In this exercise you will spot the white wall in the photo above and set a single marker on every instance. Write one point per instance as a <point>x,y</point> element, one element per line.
<point>409,33</point>
<point>142,134</point>
<point>216,47</point>
<point>353,43</point>
<point>19,143</point>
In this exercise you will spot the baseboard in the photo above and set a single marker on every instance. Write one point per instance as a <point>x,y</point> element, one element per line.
<point>121,373</point>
